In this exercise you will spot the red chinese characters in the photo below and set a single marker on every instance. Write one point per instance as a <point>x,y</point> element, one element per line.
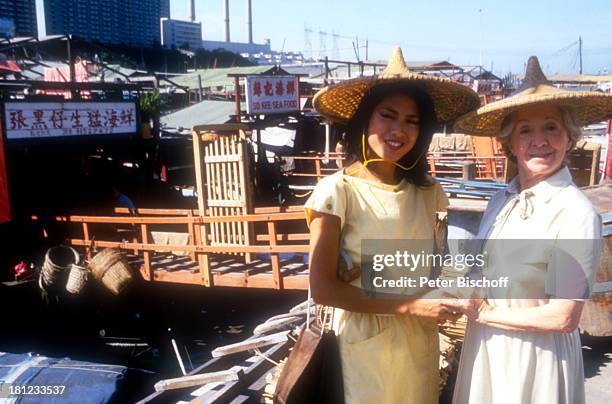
<point>268,89</point>
<point>257,88</point>
<point>279,87</point>
<point>291,87</point>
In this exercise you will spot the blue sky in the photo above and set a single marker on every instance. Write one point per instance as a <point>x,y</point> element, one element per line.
<point>508,32</point>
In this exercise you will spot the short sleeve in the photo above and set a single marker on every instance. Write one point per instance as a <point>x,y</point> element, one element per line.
<point>435,199</point>
<point>329,196</point>
<point>576,258</point>
<point>441,200</point>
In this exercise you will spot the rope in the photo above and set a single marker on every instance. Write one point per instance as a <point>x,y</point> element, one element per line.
<point>367,161</point>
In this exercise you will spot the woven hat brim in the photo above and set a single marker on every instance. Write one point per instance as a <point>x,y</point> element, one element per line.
<point>588,107</point>
<point>340,101</point>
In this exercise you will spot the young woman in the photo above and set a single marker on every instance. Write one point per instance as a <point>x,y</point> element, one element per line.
<point>388,347</point>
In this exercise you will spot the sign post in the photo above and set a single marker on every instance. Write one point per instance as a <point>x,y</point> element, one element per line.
<point>5,208</point>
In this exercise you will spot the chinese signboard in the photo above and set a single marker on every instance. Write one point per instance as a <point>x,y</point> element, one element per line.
<point>30,120</point>
<point>272,94</point>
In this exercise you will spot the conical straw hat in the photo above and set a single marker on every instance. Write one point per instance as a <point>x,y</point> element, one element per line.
<point>588,106</point>
<point>340,101</point>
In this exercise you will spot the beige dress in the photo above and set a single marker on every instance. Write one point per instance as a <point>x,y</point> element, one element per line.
<point>520,367</point>
<point>385,359</point>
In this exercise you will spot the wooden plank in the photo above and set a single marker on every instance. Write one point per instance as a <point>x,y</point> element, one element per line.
<point>256,370</point>
<point>260,281</point>
<point>250,344</point>
<point>225,203</point>
<point>131,219</point>
<point>203,261</point>
<point>285,237</point>
<point>259,217</point>
<point>208,387</point>
<point>223,249</point>
<point>197,380</point>
<point>276,272</point>
<point>191,231</point>
<point>86,238</point>
<point>237,193</point>
<point>199,175</point>
<point>218,185</point>
<point>268,326</point>
<point>146,254</point>
<point>245,192</point>
<point>318,169</point>
<point>182,277</point>
<point>221,128</point>
<point>222,158</point>
<point>141,246</point>
<point>159,212</point>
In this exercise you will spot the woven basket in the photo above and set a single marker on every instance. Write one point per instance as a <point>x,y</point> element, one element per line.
<point>111,268</point>
<point>76,279</point>
<point>58,261</point>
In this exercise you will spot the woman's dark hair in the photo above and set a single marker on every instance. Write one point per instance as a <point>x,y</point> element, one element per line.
<point>427,126</point>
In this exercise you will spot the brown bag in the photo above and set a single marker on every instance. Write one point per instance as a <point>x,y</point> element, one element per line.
<point>313,372</point>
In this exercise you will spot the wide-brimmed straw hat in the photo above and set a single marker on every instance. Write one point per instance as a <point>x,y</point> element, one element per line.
<point>587,106</point>
<point>339,102</point>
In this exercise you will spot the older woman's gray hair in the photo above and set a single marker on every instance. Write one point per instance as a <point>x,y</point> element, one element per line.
<point>567,120</point>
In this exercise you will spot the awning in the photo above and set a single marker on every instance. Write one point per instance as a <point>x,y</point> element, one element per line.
<point>9,66</point>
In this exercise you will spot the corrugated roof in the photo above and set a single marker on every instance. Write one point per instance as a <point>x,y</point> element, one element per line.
<point>341,70</point>
<point>579,78</point>
<point>202,113</point>
<point>217,77</point>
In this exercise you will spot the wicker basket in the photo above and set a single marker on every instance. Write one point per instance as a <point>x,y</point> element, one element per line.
<point>111,268</point>
<point>76,279</point>
<point>58,260</point>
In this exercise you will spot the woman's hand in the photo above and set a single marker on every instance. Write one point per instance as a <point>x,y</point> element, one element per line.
<point>559,315</point>
<point>442,309</point>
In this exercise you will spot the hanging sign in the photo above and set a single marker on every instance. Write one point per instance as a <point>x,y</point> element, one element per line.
<point>272,94</point>
<point>31,120</point>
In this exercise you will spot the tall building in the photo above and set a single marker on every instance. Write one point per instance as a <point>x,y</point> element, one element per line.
<point>179,33</point>
<point>131,22</point>
<point>20,15</point>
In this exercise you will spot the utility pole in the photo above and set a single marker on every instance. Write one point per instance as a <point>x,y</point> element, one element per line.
<point>307,43</point>
<point>480,29</point>
<point>580,52</point>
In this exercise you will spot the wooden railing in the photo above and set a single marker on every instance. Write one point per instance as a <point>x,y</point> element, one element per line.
<point>198,247</point>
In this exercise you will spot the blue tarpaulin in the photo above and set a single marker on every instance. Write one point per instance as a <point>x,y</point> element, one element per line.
<point>84,382</point>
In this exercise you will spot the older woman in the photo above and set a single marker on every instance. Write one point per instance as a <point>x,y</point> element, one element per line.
<point>523,345</point>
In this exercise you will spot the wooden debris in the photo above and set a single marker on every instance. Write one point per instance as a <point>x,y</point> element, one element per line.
<point>198,380</point>
<point>250,344</point>
<point>276,324</point>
